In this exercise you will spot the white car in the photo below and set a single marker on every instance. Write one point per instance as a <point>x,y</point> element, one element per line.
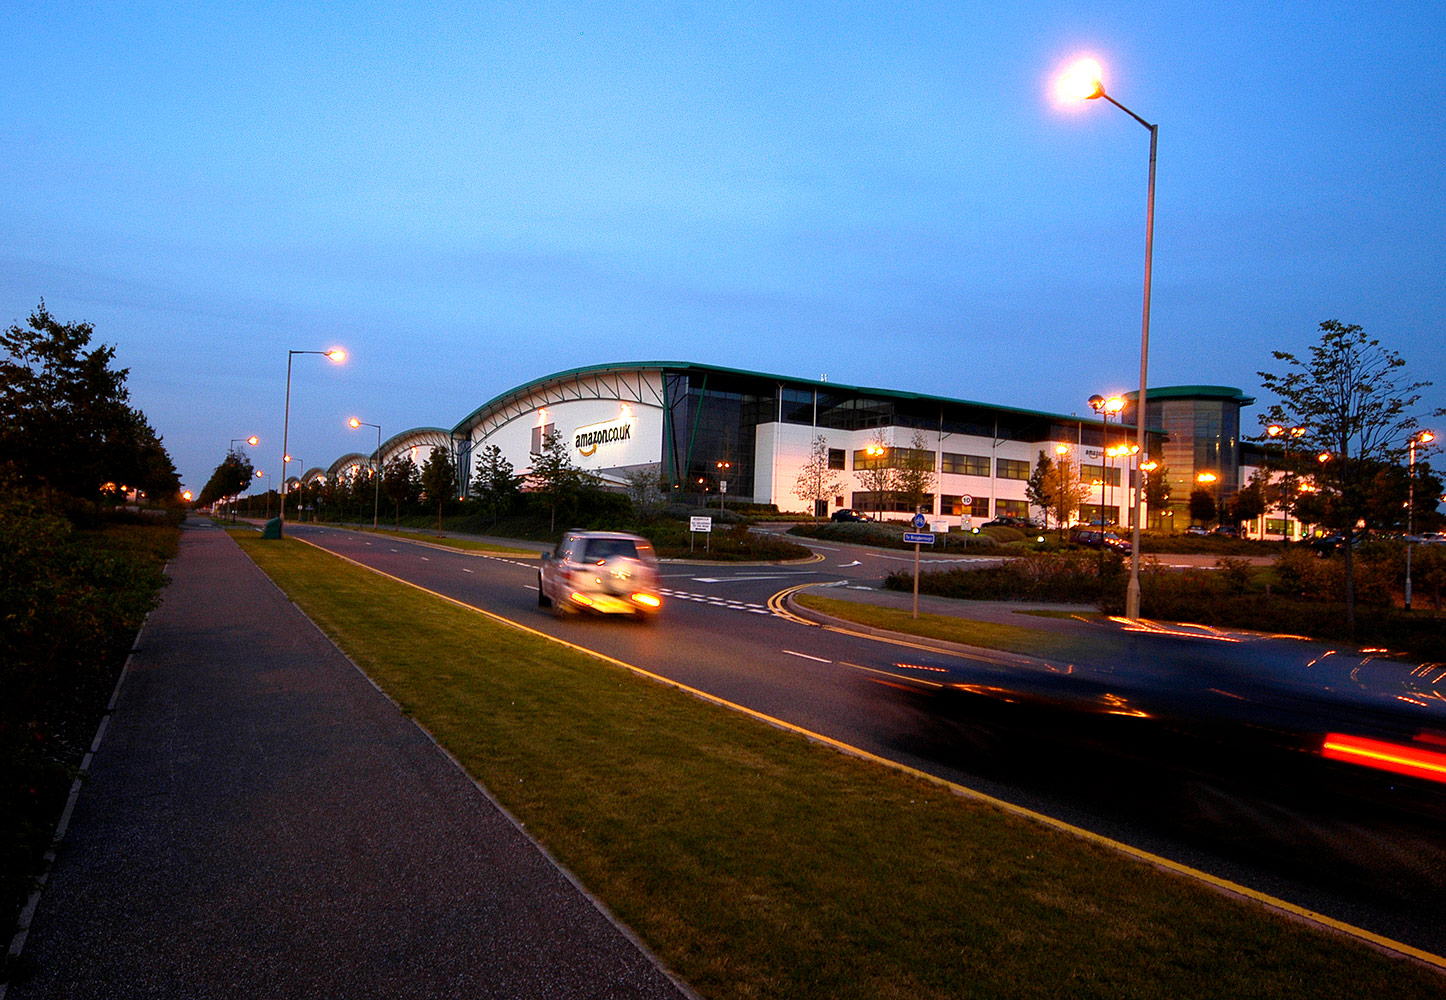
<point>603,571</point>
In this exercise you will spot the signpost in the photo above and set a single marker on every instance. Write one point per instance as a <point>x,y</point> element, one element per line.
<point>703,524</point>
<point>917,539</point>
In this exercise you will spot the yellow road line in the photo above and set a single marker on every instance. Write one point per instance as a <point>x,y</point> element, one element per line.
<point>964,791</point>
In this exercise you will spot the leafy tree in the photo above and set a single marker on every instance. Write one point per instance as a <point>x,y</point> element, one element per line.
<point>66,425</point>
<point>915,477</point>
<point>402,483</point>
<point>1202,505</point>
<point>1157,491</point>
<point>1354,401</point>
<point>1058,487</point>
<point>816,481</point>
<point>229,479</point>
<point>439,479</point>
<point>1249,502</point>
<point>496,486</point>
<point>556,481</point>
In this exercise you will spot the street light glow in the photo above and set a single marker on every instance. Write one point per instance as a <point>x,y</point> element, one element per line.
<point>354,423</point>
<point>1081,82</point>
<point>336,354</point>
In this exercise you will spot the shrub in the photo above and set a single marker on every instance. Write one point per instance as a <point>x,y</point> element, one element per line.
<point>1064,578</point>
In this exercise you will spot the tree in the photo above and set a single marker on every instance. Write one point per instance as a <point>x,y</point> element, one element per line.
<point>439,479</point>
<point>66,425</point>
<point>817,482</point>
<point>915,478</point>
<point>496,486</point>
<point>1202,505</point>
<point>555,479</point>
<point>1157,489</point>
<point>1354,402</point>
<point>877,473</point>
<point>402,483</point>
<point>1250,501</point>
<point>230,478</point>
<point>1058,487</point>
<point>648,491</point>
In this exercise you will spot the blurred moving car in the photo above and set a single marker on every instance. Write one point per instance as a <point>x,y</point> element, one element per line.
<point>845,514</point>
<point>604,571</point>
<point>1090,538</point>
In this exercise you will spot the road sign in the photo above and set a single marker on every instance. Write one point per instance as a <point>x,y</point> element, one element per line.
<point>919,522</point>
<point>967,500</point>
<point>918,538</point>
<point>700,524</point>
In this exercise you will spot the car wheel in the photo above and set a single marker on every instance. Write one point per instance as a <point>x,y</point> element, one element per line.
<point>543,601</point>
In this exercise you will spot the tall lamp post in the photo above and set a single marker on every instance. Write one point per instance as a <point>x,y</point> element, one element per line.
<point>1292,434</point>
<point>1083,83</point>
<point>723,468</point>
<point>1424,437</point>
<point>354,423</point>
<point>285,477</point>
<point>253,441</point>
<point>337,356</point>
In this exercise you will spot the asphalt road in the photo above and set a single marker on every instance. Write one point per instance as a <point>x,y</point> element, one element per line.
<point>1203,750</point>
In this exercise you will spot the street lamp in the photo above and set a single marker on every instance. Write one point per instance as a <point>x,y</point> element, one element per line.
<point>376,466</point>
<point>1291,434</point>
<point>876,451</point>
<point>1106,408</point>
<point>286,478</point>
<point>1083,83</point>
<point>266,493</point>
<point>723,468</point>
<point>1209,479</point>
<point>1424,437</point>
<point>337,356</point>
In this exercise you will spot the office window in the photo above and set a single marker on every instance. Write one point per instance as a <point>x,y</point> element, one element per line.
<point>1011,508</point>
<point>954,504</point>
<point>966,465</point>
<point>836,458</point>
<point>1008,468</point>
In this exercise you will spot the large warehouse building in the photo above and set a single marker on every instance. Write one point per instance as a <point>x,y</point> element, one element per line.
<point>711,429</point>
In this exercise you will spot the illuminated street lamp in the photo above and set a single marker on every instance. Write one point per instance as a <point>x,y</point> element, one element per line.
<point>1424,437</point>
<point>1083,83</point>
<point>253,441</point>
<point>336,355</point>
<point>1291,434</point>
<point>354,423</point>
<point>723,468</point>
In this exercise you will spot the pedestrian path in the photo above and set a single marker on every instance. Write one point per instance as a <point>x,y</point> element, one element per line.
<point>260,820</point>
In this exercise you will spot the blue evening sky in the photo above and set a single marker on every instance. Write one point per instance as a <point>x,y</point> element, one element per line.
<point>467,197</point>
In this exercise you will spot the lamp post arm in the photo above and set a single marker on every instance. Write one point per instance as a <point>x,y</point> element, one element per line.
<point>1127,111</point>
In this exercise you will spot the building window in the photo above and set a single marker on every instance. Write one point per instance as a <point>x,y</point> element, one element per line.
<point>953,504</point>
<point>1008,468</point>
<point>893,502</point>
<point>836,458</point>
<point>966,465</point>
<point>540,436</point>
<point>1011,508</point>
<point>1094,474</point>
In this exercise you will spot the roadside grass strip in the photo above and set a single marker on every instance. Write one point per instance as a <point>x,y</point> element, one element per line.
<point>757,863</point>
<point>445,541</point>
<point>987,635</point>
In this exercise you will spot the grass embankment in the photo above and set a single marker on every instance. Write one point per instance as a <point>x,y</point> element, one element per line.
<point>758,864</point>
<point>447,541</point>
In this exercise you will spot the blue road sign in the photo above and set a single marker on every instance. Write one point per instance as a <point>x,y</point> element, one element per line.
<point>919,538</point>
<point>919,523</point>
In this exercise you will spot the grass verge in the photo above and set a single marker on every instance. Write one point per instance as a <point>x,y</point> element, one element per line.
<point>758,864</point>
<point>988,635</point>
<point>467,544</point>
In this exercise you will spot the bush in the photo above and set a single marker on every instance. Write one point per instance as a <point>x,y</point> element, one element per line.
<point>1070,578</point>
<point>736,542</point>
<point>73,601</point>
<point>890,535</point>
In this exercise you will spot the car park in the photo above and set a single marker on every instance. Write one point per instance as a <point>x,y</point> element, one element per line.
<point>606,572</point>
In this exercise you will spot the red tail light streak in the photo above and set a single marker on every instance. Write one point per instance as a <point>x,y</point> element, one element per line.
<point>1394,757</point>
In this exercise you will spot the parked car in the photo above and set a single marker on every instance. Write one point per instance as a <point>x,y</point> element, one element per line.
<point>845,514</point>
<point>1226,531</point>
<point>1197,530</point>
<point>1091,538</point>
<point>602,571</point>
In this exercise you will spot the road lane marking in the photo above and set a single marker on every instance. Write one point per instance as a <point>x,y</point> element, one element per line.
<point>964,791</point>
<point>466,570</point>
<point>805,656</point>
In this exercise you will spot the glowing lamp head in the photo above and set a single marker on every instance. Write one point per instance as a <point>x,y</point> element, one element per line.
<point>1061,449</point>
<point>186,496</point>
<point>253,440</point>
<point>259,473</point>
<point>1081,82</point>
<point>1426,437</point>
<point>353,423</point>
<point>1275,430</point>
<point>336,354</point>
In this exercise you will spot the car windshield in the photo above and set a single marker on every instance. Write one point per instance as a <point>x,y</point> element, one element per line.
<point>600,550</point>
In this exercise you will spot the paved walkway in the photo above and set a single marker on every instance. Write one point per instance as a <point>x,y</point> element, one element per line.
<point>261,821</point>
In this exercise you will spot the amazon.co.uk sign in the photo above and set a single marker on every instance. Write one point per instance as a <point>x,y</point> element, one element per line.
<point>587,440</point>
